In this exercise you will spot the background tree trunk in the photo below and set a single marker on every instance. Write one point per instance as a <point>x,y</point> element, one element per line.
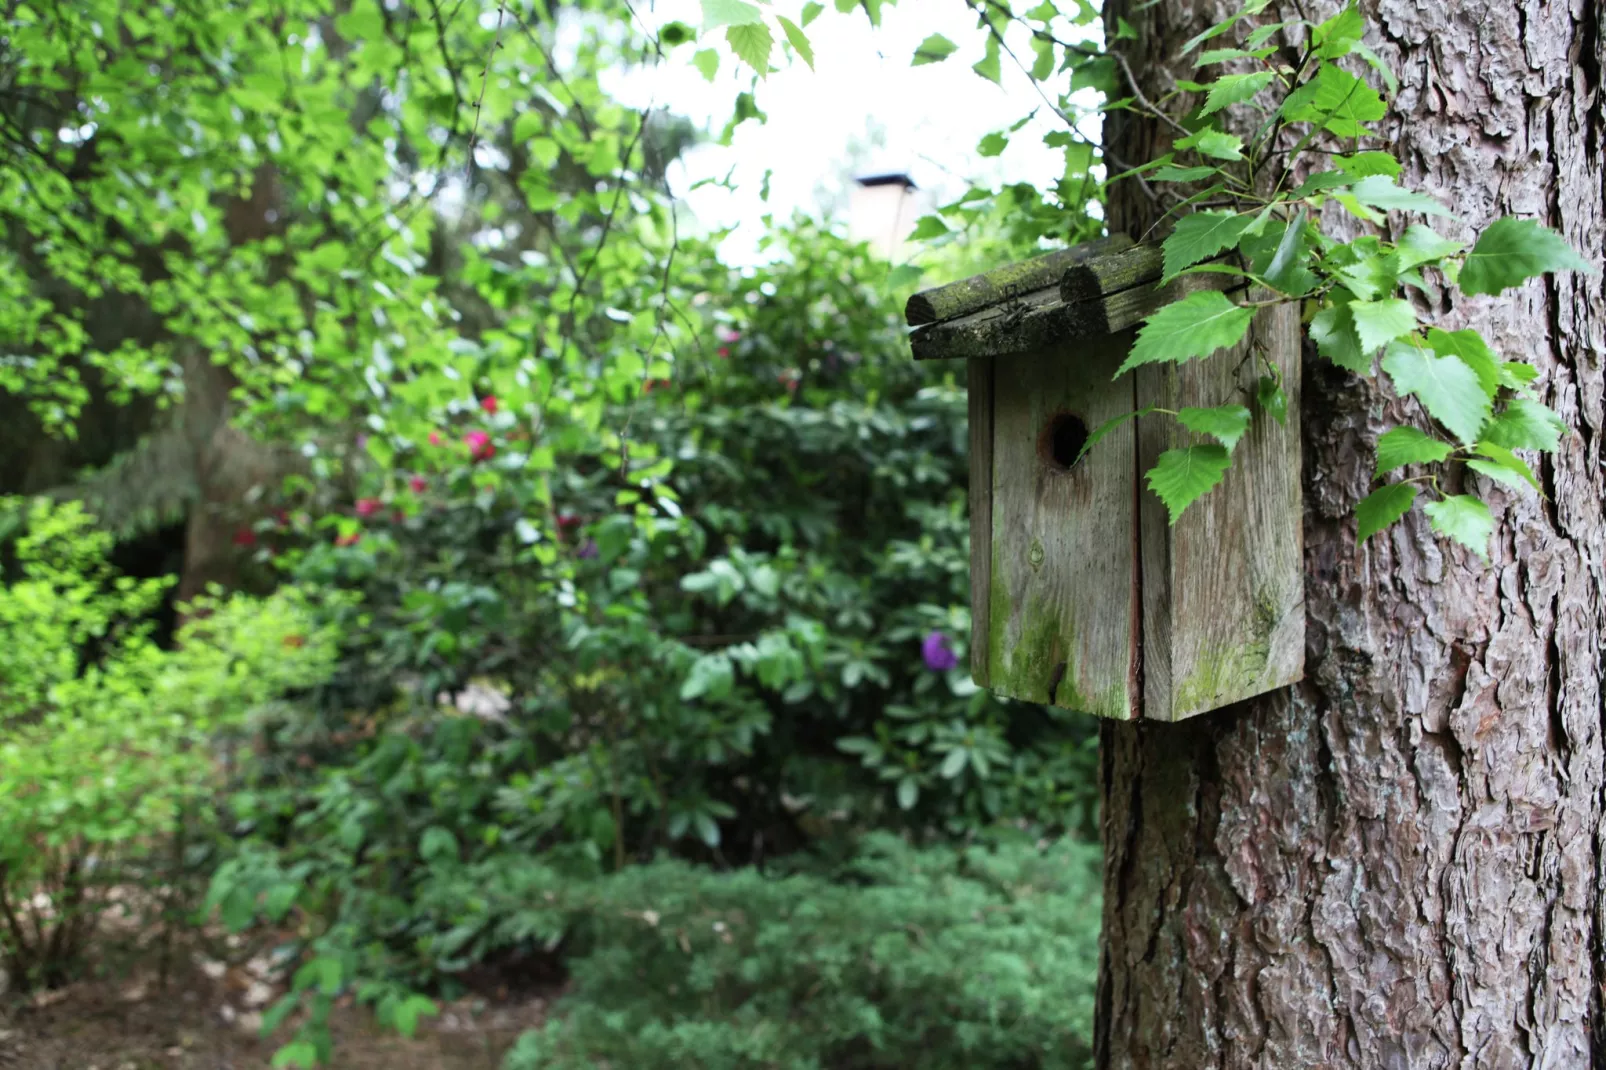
<point>1399,862</point>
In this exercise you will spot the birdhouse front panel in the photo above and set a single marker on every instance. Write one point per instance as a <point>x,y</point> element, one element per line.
<point>1084,593</point>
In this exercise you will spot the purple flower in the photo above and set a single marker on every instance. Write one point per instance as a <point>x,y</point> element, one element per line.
<point>588,548</point>
<point>938,654</point>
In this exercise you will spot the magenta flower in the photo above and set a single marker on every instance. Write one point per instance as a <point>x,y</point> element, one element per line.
<point>489,404</point>
<point>419,484</point>
<point>938,654</point>
<point>367,506</point>
<point>434,438</point>
<point>479,445</point>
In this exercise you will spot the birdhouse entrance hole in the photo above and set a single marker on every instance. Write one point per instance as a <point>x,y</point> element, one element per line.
<point>1061,443</point>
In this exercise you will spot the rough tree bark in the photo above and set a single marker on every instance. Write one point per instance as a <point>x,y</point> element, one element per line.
<point>1399,863</point>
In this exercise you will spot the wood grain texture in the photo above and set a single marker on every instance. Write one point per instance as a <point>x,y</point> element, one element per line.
<point>1063,610</point>
<point>1223,589</point>
<point>1004,283</point>
<point>980,403</point>
<point>1101,276</point>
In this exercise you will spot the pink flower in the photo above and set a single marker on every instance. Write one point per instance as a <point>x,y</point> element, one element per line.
<point>434,438</point>
<point>479,445</point>
<point>488,403</point>
<point>367,506</point>
<point>724,352</point>
<point>418,484</point>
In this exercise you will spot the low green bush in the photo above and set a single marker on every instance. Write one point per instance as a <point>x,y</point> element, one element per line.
<point>908,958</point>
<point>105,737</point>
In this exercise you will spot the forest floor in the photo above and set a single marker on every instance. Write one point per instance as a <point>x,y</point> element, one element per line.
<point>195,1023</point>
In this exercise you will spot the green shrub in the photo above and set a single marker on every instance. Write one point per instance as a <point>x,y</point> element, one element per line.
<point>910,959</point>
<point>104,736</point>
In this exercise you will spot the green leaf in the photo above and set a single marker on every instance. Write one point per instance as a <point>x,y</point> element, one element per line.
<point>1252,7</point>
<point>811,11</point>
<point>1232,89</point>
<point>1503,466</point>
<point>1421,244</point>
<point>993,144</point>
<point>1335,100</point>
<point>1272,398</point>
<point>1195,326</point>
<point>1106,427</point>
<point>989,67</point>
<point>717,13</point>
<point>1473,351</point>
<point>1377,323</point>
<point>707,62</point>
<point>1339,34</point>
<point>1464,519</point>
<point>1447,388</point>
<point>954,764</point>
<point>1525,424</point>
<point>1183,476</point>
<point>797,39</point>
<point>1320,181</point>
<point>410,1011</point>
<point>752,43</point>
<point>1199,237</point>
<point>1224,423</point>
<point>301,1053</point>
<point>908,793</point>
<point>1381,508</point>
<point>1514,250</point>
<point>1515,375</point>
<point>1406,445</point>
<point>1217,144</point>
<point>1046,58</point>
<point>1227,55</point>
<point>933,49</point>
<point>1379,191</point>
<point>1184,174</point>
<point>1363,164</point>
<point>928,227</point>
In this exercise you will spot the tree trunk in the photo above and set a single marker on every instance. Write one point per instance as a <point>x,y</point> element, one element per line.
<point>1398,863</point>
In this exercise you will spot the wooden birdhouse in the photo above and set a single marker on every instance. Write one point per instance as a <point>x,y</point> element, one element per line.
<point>1084,594</point>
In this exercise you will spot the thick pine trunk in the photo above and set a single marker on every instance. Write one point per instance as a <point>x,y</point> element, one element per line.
<point>1399,863</point>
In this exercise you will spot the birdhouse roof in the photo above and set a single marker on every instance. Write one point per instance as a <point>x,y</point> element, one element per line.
<point>1090,290</point>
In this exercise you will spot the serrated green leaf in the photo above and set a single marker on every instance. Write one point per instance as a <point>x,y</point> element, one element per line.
<point>1045,59</point>
<point>707,62</point>
<point>1199,237</point>
<point>1465,520</point>
<point>1378,65</point>
<point>797,39</point>
<point>1421,244</point>
<point>1525,424</point>
<point>933,49</point>
<point>1445,386</point>
<point>1224,423</point>
<point>1320,181</point>
<point>1217,144</point>
<point>1232,89</point>
<point>989,66</point>
<point>928,227</point>
<point>752,43</point>
<point>1336,36</point>
<point>1513,250</point>
<point>1253,7</point>
<point>717,13</point>
<point>1106,427</point>
<point>1515,375</point>
<point>1363,164</point>
<point>1377,323</point>
<point>1474,353</point>
<point>1401,446</point>
<point>1379,191</point>
<point>1280,256</point>
<point>1193,327</point>
<point>1181,477</point>
<point>811,11</point>
<point>1335,100</point>
<point>1503,466</point>
<point>1333,331</point>
<point>1261,34</point>
<point>993,144</point>
<point>1371,275</point>
<point>1381,508</point>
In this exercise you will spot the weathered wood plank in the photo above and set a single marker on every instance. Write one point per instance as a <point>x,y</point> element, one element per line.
<point>1101,276</point>
<point>1002,284</point>
<point>1063,578</point>
<point>1223,590</point>
<point>980,374</point>
<point>1043,320</point>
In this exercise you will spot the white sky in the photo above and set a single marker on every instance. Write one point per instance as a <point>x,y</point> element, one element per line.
<point>927,119</point>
